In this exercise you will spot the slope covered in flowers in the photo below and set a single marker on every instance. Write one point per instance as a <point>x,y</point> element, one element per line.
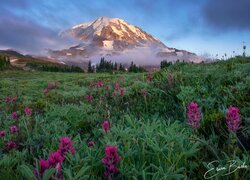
<point>165,125</point>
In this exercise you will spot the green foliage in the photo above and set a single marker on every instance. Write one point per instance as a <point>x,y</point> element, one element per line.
<point>147,123</point>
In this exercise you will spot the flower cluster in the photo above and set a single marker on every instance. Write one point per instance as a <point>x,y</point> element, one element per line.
<point>105,126</point>
<point>14,115</point>
<point>56,158</point>
<point>110,161</point>
<point>28,111</point>
<point>233,119</point>
<point>49,87</point>
<point>13,129</point>
<point>11,145</point>
<point>89,98</point>
<point>194,115</point>
<point>9,99</point>
<point>118,88</point>
<point>99,84</point>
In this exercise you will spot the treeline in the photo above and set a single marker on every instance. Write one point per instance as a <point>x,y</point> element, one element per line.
<point>108,66</point>
<point>4,62</point>
<point>53,68</point>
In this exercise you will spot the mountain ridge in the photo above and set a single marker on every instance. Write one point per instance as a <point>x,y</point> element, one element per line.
<point>115,38</point>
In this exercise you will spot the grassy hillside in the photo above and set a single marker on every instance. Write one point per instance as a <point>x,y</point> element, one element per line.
<point>144,115</point>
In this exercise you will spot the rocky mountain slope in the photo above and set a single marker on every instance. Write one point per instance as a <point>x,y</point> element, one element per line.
<point>117,40</point>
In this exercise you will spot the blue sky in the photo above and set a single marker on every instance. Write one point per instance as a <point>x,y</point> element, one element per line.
<point>200,26</point>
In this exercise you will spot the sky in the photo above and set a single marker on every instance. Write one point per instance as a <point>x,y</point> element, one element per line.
<point>205,27</point>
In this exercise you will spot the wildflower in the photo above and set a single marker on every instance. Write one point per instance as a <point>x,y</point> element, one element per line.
<point>194,115</point>
<point>100,83</point>
<point>122,92</point>
<point>233,119</point>
<point>44,165</point>
<point>90,144</point>
<point>117,86</point>
<point>8,99</point>
<point>14,115</point>
<point>2,133</point>
<point>55,158</point>
<point>66,145</point>
<point>13,129</point>
<point>114,93</point>
<point>107,87</point>
<point>28,111</point>
<point>55,84</point>
<point>105,126</point>
<point>144,93</point>
<point>89,98</point>
<point>110,161</point>
<point>49,87</point>
<point>11,145</point>
<point>14,99</point>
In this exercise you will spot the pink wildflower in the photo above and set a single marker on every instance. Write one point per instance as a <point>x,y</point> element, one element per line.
<point>114,93</point>
<point>14,115</point>
<point>28,111</point>
<point>90,144</point>
<point>122,92</point>
<point>55,158</point>
<point>110,161</point>
<point>117,86</point>
<point>13,129</point>
<point>194,115</point>
<point>107,87</point>
<point>14,99</point>
<point>2,133</point>
<point>233,119</point>
<point>44,165</point>
<point>8,99</point>
<point>105,126</point>
<point>50,86</point>
<point>66,146</point>
<point>11,145</point>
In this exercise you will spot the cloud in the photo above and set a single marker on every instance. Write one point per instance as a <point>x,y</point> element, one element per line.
<point>227,14</point>
<point>28,36</point>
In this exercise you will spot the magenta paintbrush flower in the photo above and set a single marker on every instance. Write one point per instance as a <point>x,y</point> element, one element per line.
<point>105,126</point>
<point>90,144</point>
<point>110,161</point>
<point>117,86</point>
<point>11,145</point>
<point>66,145</point>
<point>14,115</point>
<point>2,133</point>
<point>55,158</point>
<point>122,92</point>
<point>8,99</point>
<point>44,165</point>
<point>13,129</point>
<point>28,111</point>
<point>233,119</point>
<point>194,115</point>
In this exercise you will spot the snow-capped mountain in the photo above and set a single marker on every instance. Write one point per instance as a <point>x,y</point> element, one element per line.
<point>120,41</point>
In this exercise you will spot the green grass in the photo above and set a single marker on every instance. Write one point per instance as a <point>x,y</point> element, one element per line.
<point>150,132</point>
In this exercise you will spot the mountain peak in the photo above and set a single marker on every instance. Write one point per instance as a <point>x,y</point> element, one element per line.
<point>114,37</point>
